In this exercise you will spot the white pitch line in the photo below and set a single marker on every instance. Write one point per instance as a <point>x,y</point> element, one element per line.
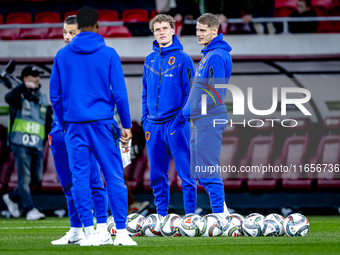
<point>35,227</point>
<point>27,222</point>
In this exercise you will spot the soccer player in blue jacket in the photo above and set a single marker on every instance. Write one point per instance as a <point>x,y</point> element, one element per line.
<point>60,156</point>
<point>205,142</point>
<point>166,87</point>
<point>86,83</point>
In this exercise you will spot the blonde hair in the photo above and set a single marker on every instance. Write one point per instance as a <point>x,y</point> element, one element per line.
<point>209,19</point>
<point>162,18</point>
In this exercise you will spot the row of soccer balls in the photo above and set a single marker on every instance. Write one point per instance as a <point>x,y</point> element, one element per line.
<point>192,225</point>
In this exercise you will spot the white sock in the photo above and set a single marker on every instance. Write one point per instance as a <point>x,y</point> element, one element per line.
<point>77,231</point>
<point>226,211</point>
<point>89,230</point>
<point>101,227</point>
<point>221,216</point>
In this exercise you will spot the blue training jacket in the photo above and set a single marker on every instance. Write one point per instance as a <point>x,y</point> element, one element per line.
<point>214,68</point>
<point>166,82</point>
<point>82,76</point>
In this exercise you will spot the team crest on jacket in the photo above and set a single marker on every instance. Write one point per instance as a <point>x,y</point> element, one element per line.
<point>147,135</point>
<point>50,140</point>
<point>171,60</point>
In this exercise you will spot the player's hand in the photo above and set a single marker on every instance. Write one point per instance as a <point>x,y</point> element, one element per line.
<point>247,18</point>
<point>126,136</point>
<point>31,85</point>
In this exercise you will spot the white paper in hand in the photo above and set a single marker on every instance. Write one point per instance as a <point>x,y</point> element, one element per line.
<point>125,154</point>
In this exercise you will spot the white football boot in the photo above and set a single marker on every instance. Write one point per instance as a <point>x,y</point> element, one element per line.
<point>91,240</point>
<point>13,208</point>
<point>71,237</point>
<point>34,214</point>
<point>122,238</point>
<point>104,237</point>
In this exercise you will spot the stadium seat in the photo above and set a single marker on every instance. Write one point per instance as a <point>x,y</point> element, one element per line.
<point>55,33</point>
<point>135,15</point>
<point>259,154</point>
<point>322,7</point>
<point>6,170</point>
<point>284,8</point>
<point>69,14</point>
<point>47,17</point>
<point>50,182</point>
<point>229,153</point>
<point>117,31</point>
<point>108,15</point>
<point>153,13</point>
<point>15,18</point>
<point>328,152</point>
<point>294,153</point>
<point>40,33</point>
<point>328,155</point>
<point>146,177</point>
<point>33,33</point>
<point>19,18</point>
<point>1,19</point>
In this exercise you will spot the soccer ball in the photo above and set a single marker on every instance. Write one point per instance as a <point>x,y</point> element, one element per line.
<point>233,225</point>
<point>134,223</point>
<point>111,226</point>
<point>210,225</point>
<point>253,225</point>
<point>253,214</point>
<point>170,225</point>
<point>189,225</point>
<point>273,225</point>
<point>152,225</point>
<point>296,225</point>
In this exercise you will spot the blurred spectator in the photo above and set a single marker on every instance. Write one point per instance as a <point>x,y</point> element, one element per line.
<point>259,9</point>
<point>181,10</point>
<point>304,9</point>
<point>30,121</point>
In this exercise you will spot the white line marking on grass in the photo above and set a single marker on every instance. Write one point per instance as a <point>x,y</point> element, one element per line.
<point>25,222</point>
<point>35,227</point>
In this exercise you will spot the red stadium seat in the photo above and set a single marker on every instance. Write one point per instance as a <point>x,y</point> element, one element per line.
<point>1,19</point>
<point>135,15</point>
<point>294,153</point>
<point>69,14</point>
<point>108,15</point>
<point>19,18</point>
<point>47,17</point>
<point>284,8</point>
<point>153,13</point>
<point>259,154</point>
<point>15,18</point>
<point>328,155</point>
<point>117,31</point>
<point>55,33</point>
<point>40,33</point>
<point>33,33</point>
<point>229,153</point>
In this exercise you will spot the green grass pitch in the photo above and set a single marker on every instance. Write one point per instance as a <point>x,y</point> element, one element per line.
<point>18,236</point>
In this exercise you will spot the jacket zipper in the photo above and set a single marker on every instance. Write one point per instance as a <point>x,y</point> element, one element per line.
<point>159,84</point>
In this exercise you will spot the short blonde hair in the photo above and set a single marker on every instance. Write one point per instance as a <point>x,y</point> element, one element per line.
<point>209,19</point>
<point>162,18</point>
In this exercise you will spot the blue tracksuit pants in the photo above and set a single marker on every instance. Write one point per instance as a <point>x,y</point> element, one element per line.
<point>100,138</point>
<point>205,150</point>
<point>164,140</point>
<point>61,162</point>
